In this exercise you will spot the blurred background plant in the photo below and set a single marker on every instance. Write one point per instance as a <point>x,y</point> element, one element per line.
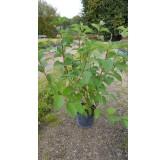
<point>113,12</point>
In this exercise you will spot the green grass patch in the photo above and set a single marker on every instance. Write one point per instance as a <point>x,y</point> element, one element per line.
<point>45,99</point>
<point>46,110</point>
<point>49,118</point>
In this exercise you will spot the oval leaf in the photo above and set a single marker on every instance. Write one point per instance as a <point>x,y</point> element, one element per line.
<point>88,109</point>
<point>107,65</point>
<point>58,101</point>
<point>111,110</point>
<point>86,77</point>
<point>97,112</point>
<point>117,76</point>
<point>113,119</point>
<point>70,107</point>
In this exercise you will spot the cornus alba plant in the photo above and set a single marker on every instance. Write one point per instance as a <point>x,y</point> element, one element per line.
<point>84,72</point>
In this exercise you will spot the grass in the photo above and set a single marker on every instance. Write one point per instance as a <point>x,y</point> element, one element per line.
<point>45,99</point>
<point>46,111</point>
<point>49,118</point>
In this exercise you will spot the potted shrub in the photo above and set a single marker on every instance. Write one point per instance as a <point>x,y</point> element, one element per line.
<point>84,73</point>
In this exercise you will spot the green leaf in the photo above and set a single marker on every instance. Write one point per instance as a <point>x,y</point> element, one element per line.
<point>69,56</point>
<point>96,26</point>
<point>97,112</point>
<point>50,77</point>
<point>104,101</point>
<point>58,101</point>
<point>67,40</point>
<point>88,100</point>
<point>110,54</point>
<point>59,86</point>
<point>75,64</point>
<point>41,44</point>
<point>115,45</point>
<point>105,30</point>
<point>59,49</point>
<point>44,63</point>
<point>59,21</point>
<point>96,54</point>
<point>101,23</point>
<point>108,80</point>
<point>57,55</point>
<point>68,62</point>
<point>111,110</point>
<point>121,28</point>
<point>112,97</point>
<point>98,82</point>
<point>102,89</point>
<point>120,65</point>
<point>124,34</point>
<point>79,108</point>
<point>71,109</point>
<point>86,77</point>
<point>123,31</point>
<point>91,86</point>
<point>79,95</point>
<point>87,66</point>
<point>68,91</point>
<point>58,63</point>
<point>124,121</point>
<point>53,87</point>
<point>88,30</point>
<point>92,96</point>
<point>40,53</point>
<point>40,69</point>
<point>117,76</point>
<point>76,28</point>
<point>88,109</point>
<point>77,56</point>
<point>76,99</point>
<point>101,38</point>
<point>107,65</point>
<point>97,98</point>
<point>113,119</point>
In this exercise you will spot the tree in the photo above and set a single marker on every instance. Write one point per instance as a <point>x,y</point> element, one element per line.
<point>75,20</point>
<point>113,12</point>
<point>45,14</point>
<point>45,9</point>
<point>61,22</point>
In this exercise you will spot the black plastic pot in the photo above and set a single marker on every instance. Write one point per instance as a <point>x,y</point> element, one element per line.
<point>85,121</point>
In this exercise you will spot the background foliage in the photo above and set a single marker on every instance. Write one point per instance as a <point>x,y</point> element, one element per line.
<point>45,14</point>
<point>113,12</point>
<point>75,20</point>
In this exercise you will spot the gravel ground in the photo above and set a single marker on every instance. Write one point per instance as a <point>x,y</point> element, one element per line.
<point>64,140</point>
